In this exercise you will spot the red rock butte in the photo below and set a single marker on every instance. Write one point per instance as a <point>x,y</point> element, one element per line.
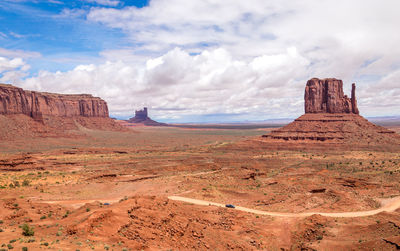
<point>31,114</point>
<point>14,100</point>
<point>326,96</point>
<point>332,118</point>
<point>141,117</point>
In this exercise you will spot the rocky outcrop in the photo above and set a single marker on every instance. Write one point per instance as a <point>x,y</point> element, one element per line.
<point>326,96</point>
<point>14,100</point>
<point>141,117</point>
<point>332,119</point>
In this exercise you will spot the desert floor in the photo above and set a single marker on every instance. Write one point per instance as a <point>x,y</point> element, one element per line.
<point>163,188</point>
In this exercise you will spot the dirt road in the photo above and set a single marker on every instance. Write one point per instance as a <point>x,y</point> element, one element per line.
<point>389,207</point>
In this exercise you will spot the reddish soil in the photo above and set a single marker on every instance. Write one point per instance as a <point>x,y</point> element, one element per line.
<point>62,187</point>
<point>346,131</point>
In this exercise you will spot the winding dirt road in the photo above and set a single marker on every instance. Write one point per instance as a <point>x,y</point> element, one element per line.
<point>391,206</point>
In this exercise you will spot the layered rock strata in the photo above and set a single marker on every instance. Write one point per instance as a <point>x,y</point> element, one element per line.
<point>14,100</point>
<point>30,114</point>
<point>326,96</point>
<point>332,117</point>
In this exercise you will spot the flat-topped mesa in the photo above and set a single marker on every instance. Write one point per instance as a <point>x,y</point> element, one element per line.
<point>14,100</point>
<point>326,96</point>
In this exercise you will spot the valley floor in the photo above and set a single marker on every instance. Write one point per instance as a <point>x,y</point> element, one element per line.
<point>121,190</point>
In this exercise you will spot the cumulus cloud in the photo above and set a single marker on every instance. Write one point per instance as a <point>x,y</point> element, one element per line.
<point>352,40</point>
<point>384,96</point>
<point>244,58</point>
<point>325,30</point>
<point>12,70</point>
<point>178,84</point>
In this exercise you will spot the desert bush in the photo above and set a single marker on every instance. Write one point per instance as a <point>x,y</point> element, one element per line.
<point>27,230</point>
<point>25,183</point>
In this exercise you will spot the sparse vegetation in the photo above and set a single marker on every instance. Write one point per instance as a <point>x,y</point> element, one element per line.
<point>27,230</point>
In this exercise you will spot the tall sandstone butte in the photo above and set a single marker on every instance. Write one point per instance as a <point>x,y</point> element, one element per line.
<point>326,96</point>
<point>332,118</point>
<point>14,100</point>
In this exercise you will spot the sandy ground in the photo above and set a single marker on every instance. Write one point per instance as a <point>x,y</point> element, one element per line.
<point>389,207</point>
<point>130,190</point>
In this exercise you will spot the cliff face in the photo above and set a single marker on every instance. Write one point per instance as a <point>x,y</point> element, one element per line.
<point>14,100</point>
<point>326,96</point>
<point>331,119</point>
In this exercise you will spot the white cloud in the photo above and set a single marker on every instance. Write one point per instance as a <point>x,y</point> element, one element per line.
<point>105,2</point>
<point>18,53</point>
<point>179,84</point>
<point>71,13</point>
<point>12,70</point>
<point>236,57</point>
<point>350,40</point>
<point>3,35</point>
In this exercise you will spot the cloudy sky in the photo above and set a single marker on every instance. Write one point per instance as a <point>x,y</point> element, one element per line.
<point>203,60</point>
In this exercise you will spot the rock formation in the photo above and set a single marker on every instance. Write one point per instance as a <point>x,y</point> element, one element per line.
<point>331,117</point>
<point>326,96</point>
<point>27,114</point>
<point>141,117</point>
<point>14,100</point>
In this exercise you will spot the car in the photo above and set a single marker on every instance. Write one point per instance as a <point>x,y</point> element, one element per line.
<point>106,204</point>
<point>230,206</point>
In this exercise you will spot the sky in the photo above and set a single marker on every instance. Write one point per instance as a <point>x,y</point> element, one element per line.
<point>203,60</point>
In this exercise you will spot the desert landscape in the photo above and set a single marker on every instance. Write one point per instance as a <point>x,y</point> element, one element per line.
<point>328,181</point>
<point>199,125</point>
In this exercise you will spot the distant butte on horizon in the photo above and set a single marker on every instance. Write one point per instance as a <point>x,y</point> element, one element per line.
<point>141,117</point>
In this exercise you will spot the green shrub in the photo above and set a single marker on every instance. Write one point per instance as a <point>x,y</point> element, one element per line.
<point>27,230</point>
<point>24,249</point>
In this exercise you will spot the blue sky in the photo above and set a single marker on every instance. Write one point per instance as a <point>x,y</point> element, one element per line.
<point>58,30</point>
<point>203,61</point>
